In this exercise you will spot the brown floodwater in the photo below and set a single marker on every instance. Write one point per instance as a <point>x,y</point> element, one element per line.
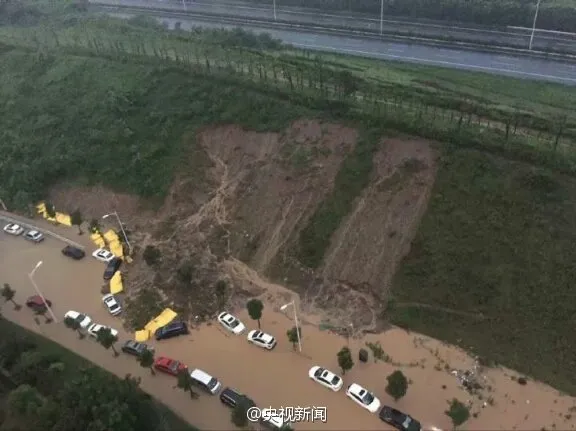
<point>278,378</point>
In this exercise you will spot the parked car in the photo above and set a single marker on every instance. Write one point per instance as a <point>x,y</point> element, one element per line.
<point>205,381</point>
<point>38,304</point>
<point>231,323</point>
<point>103,255</point>
<point>34,236</point>
<point>112,304</point>
<point>82,319</point>
<point>136,348</point>
<point>172,329</point>
<point>111,268</point>
<point>399,420</point>
<point>270,419</point>
<point>262,339</point>
<point>96,327</point>
<point>13,229</point>
<point>169,366</point>
<point>73,252</point>
<point>362,397</point>
<point>232,398</point>
<point>326,378</point>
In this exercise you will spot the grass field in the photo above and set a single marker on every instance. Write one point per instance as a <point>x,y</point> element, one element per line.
<point>498,241</point>
<point>102,101</point>
<point>72,364</point>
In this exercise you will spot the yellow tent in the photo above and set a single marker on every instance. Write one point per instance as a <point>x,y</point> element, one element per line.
<point>116,283</point>
<point>98,240</point>
<point>63,219</point>
<point>161,320</point>
<point>116,248</point>
<point>111,236</point>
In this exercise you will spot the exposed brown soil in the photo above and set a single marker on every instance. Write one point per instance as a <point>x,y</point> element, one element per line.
<point>238,220</point>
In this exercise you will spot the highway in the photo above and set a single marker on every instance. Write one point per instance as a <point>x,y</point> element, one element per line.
<point>513,37</point>
<point>519,67</point>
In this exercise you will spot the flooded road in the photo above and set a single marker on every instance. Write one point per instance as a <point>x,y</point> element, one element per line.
<point>277,378</point>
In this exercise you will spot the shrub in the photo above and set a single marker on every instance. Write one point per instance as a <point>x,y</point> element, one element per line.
<point>363,355</point>
<point>151,255</point>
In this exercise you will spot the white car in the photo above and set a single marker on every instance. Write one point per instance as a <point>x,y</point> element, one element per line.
<point>262,339</point>
<point>34,236</point>
<point>103,255</point>
<point>326,378</point>
<point>13,229</point>
<point>112,304</point>
<point>95,327</point>
<point>231,323</point>
<point>361,396</point>
<point>82,319</point>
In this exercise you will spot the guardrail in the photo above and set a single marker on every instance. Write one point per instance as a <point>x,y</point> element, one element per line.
<point>19,221</point>
<point>339,31</point>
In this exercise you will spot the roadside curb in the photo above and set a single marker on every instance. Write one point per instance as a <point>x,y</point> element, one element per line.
<point>11,218</point>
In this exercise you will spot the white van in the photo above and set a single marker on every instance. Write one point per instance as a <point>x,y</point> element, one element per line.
<point>271,420</point>
<point>205,381</point>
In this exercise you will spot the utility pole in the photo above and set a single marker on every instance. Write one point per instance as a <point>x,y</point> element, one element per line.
<point>534,25</point>
<point>274,5</point>
<point>381,16</point>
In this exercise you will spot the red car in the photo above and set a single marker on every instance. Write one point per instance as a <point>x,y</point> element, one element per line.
<point>37,304</point>
<point>169,366</point>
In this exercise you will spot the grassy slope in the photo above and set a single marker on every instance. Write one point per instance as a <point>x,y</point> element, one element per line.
<point>499,241</point>
<point>72,363</point>
<point>98,120</point>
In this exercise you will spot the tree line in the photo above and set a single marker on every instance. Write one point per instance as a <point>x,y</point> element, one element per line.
<point>484,12</point>
<point>44,387</point>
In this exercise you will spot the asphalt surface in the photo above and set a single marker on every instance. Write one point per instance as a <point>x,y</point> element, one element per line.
<point>510,36</point>
<point>519,67</point>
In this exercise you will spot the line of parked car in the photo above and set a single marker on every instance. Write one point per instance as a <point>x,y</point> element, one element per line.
<point>210,384</point>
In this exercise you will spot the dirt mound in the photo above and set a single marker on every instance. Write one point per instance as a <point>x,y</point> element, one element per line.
<point>377,235</point>
<point>234,216</point>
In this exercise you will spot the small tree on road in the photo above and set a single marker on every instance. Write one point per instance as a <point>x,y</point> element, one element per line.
<point>8,293</point>
<point>255,308</point>
<point>74,325</point>
<point>146,360</point>
<point>94,226</point>
<point>458,412</point>
<point>76,220</point>
<point>345,360</point>
<point>293,335</point>
<point>397,385</point>
<point>107,339</point>
<point>185,383</point>
<point>50,210</point>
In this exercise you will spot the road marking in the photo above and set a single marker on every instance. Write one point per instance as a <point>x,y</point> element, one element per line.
<point>503,63</point>
<point>425,60</point>
<point>39,229</point>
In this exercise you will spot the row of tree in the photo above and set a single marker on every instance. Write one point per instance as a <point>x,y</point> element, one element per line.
<point>44,388</point>
<point>338,91</point>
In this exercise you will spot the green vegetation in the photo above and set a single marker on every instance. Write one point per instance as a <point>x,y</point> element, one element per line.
<point>458,412</point>
<point>397,385</point>
<point>497,244</point>
<point>294,335</point>
<point>255,308</point>
<point>554,14</point>
<point>96,100</point>
<point>345,360</point>
<point>8,294</point>
<point>46,387</point>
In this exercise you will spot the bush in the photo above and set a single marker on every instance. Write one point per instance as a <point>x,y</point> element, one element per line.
<point>151,255</point>
<point>397,385</point>
<point>363,355</point>
<point>458,412</point>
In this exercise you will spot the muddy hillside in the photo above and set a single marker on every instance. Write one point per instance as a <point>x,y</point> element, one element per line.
<point>245,198</point>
